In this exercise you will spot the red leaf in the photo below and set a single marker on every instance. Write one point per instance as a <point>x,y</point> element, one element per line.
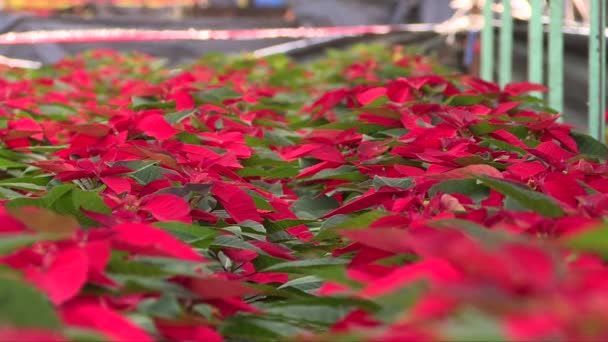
<point>216,288</point>
<point>385,239</point>
<point>516,89</point>
<point>106,321</point>
<point>93,130</point>
<point>370,95</point>
<point>532,327</point>
<point>98,253</point>
<point>23,128</point>
<point>505,107</point>
<point>183,100</point>
<point>434,270</point>
<point>355,320</point>
<point>155,126</point>
<point>147,240</point>
<point>29,335</point>
<point>65,277</point>
<point>363,202</point>
<point>469,171</point>
<point>565,139</point>
<point>174,331</point>
<point>268,278</point>
<point>399,91</point>
<point>509,137</point>
<point>44,220</point>
<point>301,232</point>
<point>300,151</point>
<point>379,120</point>
<point>118,184</point>
<point>167,207</point>
<point>237,202</point>
<point>312,170</point>
<point>408,171</point>
<point>273,249</point>
<point>328,153</point>
<point>563,187</point>
<point>526,170</point>
<point>550,152</point>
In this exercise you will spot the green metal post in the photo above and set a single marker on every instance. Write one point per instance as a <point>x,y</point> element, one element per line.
<point>535,44</point>
<point>487,42</point>
<point>556,56</point>
<point>506,44</point>
<point>597,70</point>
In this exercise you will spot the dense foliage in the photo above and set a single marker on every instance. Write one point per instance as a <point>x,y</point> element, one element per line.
<point>369,196</point>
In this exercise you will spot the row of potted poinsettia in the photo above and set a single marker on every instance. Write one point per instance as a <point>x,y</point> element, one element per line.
<point>371,195</point>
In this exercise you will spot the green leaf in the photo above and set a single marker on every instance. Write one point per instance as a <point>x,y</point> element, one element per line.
<point>473,325</point>
<point>204,310</point>
<point>403,183</point>
<point>478,160</point>
<point>396,303</point>
<point>235,242</point>
<point>259,201</point>
<point>9,164</point>
<point>312,310</point>
<point>171,266</point>
<point>279,226</point>
<point>200,189</point>
<point>589,146</point>
<point>188,233</point>
<point>57,110</point>
<point>57,193</point>
<point>279,137</point>
<point>465,100</point>
<point>467,187</point>
<point>482,234</point>
<point>357,222</point>
<point>258,328</point>
<point>501,145</point>
<point>118,265</point>
<point>23,186</point>
<point>166,306</point>
<point>309,207</point>
<point>307,284</point>
<point>10,194</point>
<point>532,200</point>
<point>68,200</point>
<point>19,202</point>
<point>12,242</point>
<point>593,240</point>
<point>150,102</point>
<point>88,200</point>
<point>45,221</point>
<point>149,174</point>
<point>333,273</point>
<point>138,284</point>
<point>346,172</point>
<point>484,128</point>
<point>216,96</point>
<point>275,173</point>
<point>176,117</point>
<point>310,264</point>
<point>22,306</point>
<point>82,335</point>
<point>36,180</point>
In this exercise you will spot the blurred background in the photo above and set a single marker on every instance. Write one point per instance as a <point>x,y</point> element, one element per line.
<point>34,15</point>
<point>455,41</point>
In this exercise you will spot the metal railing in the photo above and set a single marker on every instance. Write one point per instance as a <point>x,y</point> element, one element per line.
<point>596,16</point>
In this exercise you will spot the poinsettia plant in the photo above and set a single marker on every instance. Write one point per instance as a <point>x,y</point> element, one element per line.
<point>371,195</point>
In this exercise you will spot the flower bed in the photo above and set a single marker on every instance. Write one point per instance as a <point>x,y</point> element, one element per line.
<point>368,196</point>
